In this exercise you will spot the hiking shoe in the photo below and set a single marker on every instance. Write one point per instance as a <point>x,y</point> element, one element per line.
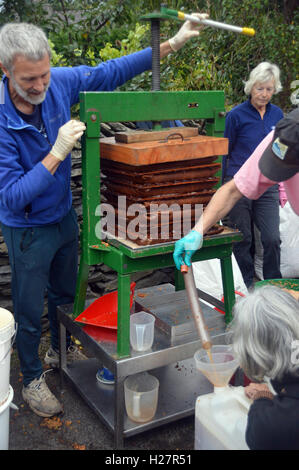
<point>39,398</point>
<point>73,354</point>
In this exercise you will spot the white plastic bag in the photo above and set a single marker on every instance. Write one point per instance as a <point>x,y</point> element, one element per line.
<point>289,236</point>
<point>207,276</point>
<point>258,254</point>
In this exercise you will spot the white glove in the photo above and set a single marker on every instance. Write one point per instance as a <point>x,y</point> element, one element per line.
<point>188,30</point>
<point>68,135</point>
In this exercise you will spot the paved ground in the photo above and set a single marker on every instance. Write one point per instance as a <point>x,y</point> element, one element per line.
<point>79,428</point>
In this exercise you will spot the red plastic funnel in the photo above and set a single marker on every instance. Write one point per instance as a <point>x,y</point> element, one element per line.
<point>103,311</point>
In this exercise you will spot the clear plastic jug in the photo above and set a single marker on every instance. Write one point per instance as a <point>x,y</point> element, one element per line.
<point>141,396</point>
<point>142,326</point>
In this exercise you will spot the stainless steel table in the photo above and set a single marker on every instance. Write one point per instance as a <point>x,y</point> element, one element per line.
<point>170,360</point>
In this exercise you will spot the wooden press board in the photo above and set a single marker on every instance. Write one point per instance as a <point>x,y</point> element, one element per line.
<point>147,153</point>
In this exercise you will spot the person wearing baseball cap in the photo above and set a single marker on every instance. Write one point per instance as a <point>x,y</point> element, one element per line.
<point>280,161</point>
<point>275,159</point>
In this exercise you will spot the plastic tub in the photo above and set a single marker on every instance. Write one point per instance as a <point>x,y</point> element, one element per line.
<point>7,330</point>
<point>4,420</point>
<point>142,325</point>
<point>141,396</point>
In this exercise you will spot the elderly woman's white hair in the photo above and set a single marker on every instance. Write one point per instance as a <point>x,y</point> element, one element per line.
<point>262,73</point>
<point>23,39</point>
<point>264,328</point>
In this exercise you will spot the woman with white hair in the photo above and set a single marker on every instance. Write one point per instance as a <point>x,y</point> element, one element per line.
<point>265,337</point>
<point>246,126</point>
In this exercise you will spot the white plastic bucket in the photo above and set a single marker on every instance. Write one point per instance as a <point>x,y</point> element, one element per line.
<point>7,330</point>
<point>4,421</point>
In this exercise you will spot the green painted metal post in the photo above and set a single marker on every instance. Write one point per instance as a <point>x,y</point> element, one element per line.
<point>215,127</point>
<point>82,284</point>
<point>179,280</point>
<point>123,316</point>
<point>90,180</point>
<point>228,287</point>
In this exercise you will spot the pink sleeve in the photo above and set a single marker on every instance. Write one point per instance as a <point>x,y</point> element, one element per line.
<point>283,198</point>
<point>249,180</point>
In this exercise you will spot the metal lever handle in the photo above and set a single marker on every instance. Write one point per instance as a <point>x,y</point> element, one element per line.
<point>172,136</point>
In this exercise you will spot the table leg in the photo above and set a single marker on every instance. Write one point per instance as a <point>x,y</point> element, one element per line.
<point>62,354</point>
<point>123,315</point>
<point>81,287</point>
<point>228,287</point>
<point>178,280</point>
<point>119,405</point>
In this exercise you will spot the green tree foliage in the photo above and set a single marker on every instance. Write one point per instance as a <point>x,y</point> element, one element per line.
<point>72,25</point>
<point>88,31</point>
<point>277,30</point>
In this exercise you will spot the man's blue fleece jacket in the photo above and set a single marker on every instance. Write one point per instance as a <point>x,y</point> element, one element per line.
<point>24,180</point>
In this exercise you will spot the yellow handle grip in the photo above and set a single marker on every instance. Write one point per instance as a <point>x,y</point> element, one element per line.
<point>248,31</point>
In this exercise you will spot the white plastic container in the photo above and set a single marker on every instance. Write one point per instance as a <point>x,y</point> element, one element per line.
<point>142,327</point>
<point>7,330</point>
<point>221,419</point>
<point>4,420</point>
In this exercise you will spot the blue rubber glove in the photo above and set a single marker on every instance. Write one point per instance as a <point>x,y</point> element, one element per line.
<point>187,245</point>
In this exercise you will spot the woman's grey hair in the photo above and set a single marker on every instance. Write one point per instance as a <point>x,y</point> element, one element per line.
<point>23,39</point>
<point>262,73</point>
<point>264,328</point>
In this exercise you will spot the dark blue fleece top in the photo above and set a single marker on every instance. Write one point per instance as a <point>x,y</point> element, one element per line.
<point>245,130</point>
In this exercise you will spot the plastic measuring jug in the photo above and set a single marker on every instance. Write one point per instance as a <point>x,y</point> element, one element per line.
<point>142,326</point>
<point>220,369</point>
<point>141,396</point>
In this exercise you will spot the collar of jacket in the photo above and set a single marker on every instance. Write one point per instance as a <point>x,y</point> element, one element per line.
<point>14,121</point>
<point>268,105</point>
